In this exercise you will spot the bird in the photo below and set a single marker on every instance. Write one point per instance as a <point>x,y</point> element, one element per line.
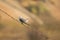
<point>23,20</point>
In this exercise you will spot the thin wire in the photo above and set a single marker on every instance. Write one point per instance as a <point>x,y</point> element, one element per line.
<point>15,8</point>
<point>18,22</point>
<point>14,18</point>
<point>18,10</point>
<point>9,15</point>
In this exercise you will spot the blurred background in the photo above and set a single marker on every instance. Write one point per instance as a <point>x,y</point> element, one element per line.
<point>43,19</point>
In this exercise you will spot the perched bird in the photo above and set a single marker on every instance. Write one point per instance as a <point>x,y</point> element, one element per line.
<point>23,20</point>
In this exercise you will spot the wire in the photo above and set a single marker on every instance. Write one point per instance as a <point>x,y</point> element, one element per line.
<point>18,21</point>
<point>14,18</point>
<point>15,8</point>
<point>9,15</point>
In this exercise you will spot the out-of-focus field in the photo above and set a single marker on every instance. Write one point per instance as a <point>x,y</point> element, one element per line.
<point>49,13</point>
